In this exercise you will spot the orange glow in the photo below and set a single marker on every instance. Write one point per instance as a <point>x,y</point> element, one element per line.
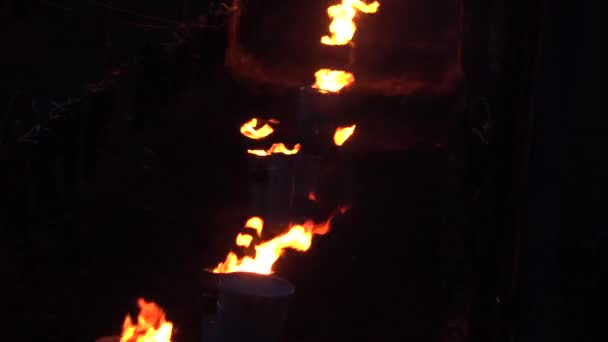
<point>248,129</point>
<point>312,196</point>
<point>255,223</point>
<point>298,237</point>
<point>243,240</point>
<point>152,325</point>
<point>342,134</point>
<point>276,148</point>
<point>333,80</point>
<point>343,26</point>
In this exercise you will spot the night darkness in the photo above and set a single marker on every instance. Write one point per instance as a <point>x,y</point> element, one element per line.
<point>472,178</point>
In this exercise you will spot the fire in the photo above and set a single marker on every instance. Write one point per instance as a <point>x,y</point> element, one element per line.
<point>343,26</point>
<point>342,134</point>
<point>298,237</point>
<point>312,196</point>
<point>276,148</point>
<point>152,325</point>
<point>248,129</point>
<point>255,223</point>
<point>333,80</point>
<point>243,240</point>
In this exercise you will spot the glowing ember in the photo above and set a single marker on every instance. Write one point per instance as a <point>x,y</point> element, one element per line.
<point>312,196</point>
<point>342,134</point>
<point>152,325</point>
<point>333,80</point>
<point>298,237</point>
<point>248,129</point>
<point>343,26</point>
<point>276,148</point>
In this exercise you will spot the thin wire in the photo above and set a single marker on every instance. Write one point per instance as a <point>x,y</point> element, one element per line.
<point>124,10</point>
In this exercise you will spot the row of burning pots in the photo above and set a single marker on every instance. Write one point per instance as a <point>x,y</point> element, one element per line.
<point>245,294</point>
<point>243,291</point>
<point>251,303</point>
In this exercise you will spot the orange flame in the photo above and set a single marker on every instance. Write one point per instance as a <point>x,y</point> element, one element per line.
<point>312,196</point>
<point>243,240</point>
<point>333,80</point>
<point>298,237</point>
<point>343,26</point>
<point>248,129</point>
<point>276,148</point>
<point>152,325</point>
<point>255,223</point>
<point>342,134</point>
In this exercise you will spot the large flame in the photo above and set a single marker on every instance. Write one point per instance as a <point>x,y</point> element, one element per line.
<point>298,237</point>
<point>276,148</point>
<point>248,129</point>
<point>342,134</point>
<point>333,80</point>
<point>152,325</point>
<point>343,26</point>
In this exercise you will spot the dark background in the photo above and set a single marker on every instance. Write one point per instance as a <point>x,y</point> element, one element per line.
<point>453,236</point>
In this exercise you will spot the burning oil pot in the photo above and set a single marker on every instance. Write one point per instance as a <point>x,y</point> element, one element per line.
<point>250,307</point>
<point>392,47</point>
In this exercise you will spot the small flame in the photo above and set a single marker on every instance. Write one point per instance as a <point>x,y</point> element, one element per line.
<point>152,325</point>
<point>248,129</point>
<point>333,80</point>
<point>312,196</point>
<point>343,26</point>
<point>255,223</point>
<point>276,148</point>
<point>298,237</point>
<point>243,240</point>
<point>342,134</point>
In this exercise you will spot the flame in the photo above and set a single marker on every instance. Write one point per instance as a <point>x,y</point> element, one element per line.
<point>342,134</point>
<point>298,237</point>
<point>333,80</point>
<point>243,240</point>
<point>276,148</point>
<point>152,325</point>
<point>255,223</point>
<point>248,129</point>
<point>312,196</point>
<point>343,26</point>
